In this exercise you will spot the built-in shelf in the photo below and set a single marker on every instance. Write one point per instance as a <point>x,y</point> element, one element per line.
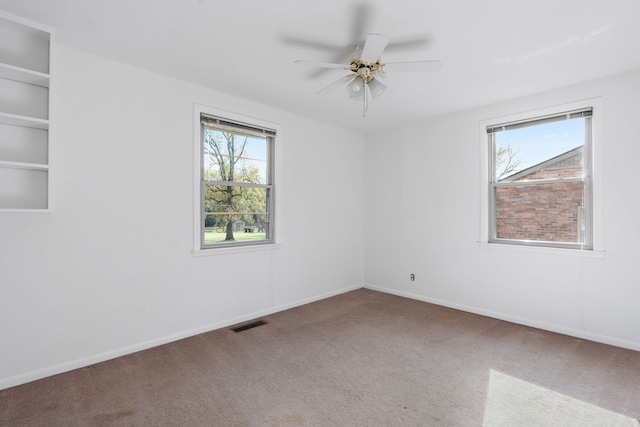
<point>25,121</point>
<point>24,75</point>
<point>23,165</point>
<point>25,142</point>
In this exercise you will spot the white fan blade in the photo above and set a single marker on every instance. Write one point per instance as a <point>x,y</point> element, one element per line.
<point>413,66</point>
<point>311,44</point>
<point>321,64</point>
<point>373,47</point>
<point>340,82</point>
<point>362,15</point>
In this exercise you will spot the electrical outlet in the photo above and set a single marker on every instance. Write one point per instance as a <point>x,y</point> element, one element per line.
<point>413,277</point>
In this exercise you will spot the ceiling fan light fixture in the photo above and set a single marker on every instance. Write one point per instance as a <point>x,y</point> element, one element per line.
<point>377,88</point>
<point>355,89</point>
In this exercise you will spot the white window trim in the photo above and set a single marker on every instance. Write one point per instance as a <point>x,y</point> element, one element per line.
<point>198,251</point>
<point>596,173</point>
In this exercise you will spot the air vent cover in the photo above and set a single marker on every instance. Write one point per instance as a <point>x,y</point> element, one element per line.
<point>249,326</point>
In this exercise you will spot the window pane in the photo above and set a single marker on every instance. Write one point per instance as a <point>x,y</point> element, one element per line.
<point>234,213</point>
<point>531,152</point>
<point>552,212</point>
<point>229,156</point>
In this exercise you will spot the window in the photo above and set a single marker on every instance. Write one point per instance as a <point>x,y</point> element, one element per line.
<point>236,190</point>
<point>540,181</point>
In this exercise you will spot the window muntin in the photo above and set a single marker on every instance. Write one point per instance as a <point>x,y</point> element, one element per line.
<point>540,181</point>
<point>236,184</point>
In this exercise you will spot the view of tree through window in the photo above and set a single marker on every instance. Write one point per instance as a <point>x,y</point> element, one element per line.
<point>540,181</point>
<point>236,186</point>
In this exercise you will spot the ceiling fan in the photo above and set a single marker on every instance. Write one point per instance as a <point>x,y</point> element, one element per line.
<point>365,80</point>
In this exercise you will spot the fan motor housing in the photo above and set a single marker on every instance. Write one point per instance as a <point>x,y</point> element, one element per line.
<point>357,64</point>
<point>365,70</point>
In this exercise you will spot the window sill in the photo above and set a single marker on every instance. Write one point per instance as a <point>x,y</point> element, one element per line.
<point>237,250</point>
<point>598,254</point>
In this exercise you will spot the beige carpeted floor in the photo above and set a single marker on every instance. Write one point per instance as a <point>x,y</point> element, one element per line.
<point>513,402</point>
<point>360,359</point>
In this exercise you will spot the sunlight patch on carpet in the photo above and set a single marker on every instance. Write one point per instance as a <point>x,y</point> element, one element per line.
<point>514,402</point>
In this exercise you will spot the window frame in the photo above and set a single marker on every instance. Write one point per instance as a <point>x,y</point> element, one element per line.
<point>593,185</point>
<point>199,247</point>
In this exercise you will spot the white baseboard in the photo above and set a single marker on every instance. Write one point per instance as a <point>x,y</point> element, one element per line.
<point>603,339</point>
<point>102,357</point>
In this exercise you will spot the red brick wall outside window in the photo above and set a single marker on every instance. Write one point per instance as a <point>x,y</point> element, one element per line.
<point>543,212</point>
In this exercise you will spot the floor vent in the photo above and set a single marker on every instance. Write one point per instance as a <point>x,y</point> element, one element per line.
<point>249,326</point>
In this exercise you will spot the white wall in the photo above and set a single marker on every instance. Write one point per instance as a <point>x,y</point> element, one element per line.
<point>422,206</point>
<point>110,269</point>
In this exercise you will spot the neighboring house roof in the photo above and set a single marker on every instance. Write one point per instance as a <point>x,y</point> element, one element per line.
<point>571,159</point>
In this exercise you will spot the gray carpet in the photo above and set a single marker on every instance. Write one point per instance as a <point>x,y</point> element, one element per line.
<point>360,359</point>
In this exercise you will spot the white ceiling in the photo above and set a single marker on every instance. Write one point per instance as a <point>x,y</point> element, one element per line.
<point>491,50</point>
